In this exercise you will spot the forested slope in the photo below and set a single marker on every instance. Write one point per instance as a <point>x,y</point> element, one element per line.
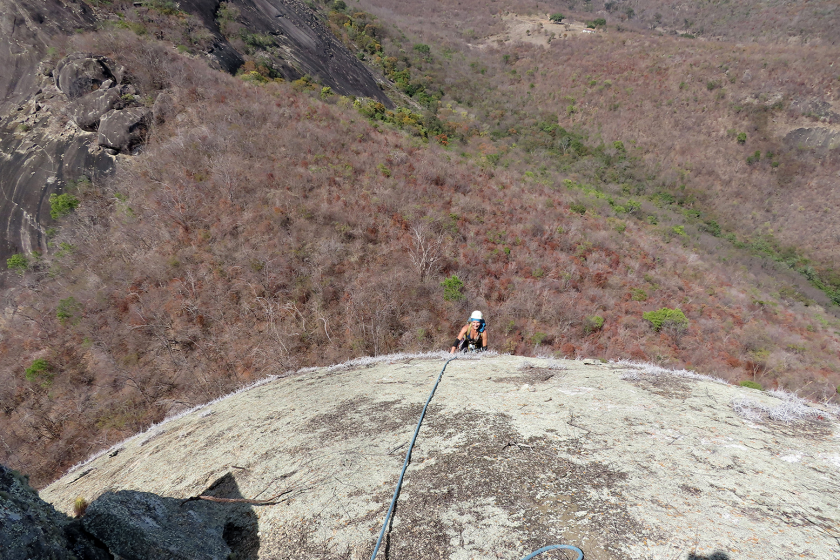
<point>268,227</point>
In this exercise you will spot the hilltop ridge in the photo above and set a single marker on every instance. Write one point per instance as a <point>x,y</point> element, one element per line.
<point>572,191</point>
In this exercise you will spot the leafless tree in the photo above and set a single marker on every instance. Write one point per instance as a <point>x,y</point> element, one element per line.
<point>426,250</point>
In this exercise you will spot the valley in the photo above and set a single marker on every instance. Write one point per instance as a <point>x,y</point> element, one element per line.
<point>300,210</point>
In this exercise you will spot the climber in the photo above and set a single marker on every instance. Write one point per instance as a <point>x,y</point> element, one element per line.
<point>473,336</point>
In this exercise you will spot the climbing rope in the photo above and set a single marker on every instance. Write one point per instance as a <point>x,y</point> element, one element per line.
<point>555,547</point>
<point>405,466</point>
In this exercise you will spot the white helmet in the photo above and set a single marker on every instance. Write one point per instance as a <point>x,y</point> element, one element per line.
<point>476,316</point>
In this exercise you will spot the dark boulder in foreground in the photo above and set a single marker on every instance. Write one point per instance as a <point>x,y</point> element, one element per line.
<point>126,524</point>
<point>32,528</point>
<point>141,525</point>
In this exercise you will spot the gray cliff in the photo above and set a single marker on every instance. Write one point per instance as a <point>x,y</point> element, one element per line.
<point>63,122</point>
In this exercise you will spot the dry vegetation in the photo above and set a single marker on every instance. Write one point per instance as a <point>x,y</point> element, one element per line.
<point>677,104</point>
<point>264,229</point>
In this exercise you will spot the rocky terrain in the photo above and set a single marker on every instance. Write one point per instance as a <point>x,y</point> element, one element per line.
<point>62,123</point>
<point>621,460</point>
<point>126,524</point>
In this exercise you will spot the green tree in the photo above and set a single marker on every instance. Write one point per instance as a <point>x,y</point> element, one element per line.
<point>557,18</point>
<point>592,324</point>
<point>68,309</point>
<point>667,319</point>
<point>452,287</point>
<point>17,263</point>
<point>62,204</point>
<point>40,371</point>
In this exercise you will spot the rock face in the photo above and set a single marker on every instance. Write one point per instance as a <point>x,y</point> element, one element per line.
<point>88,110</point>
<point>36,158</point>
<point>27,28</point>
<point>141,525</point>
<point>126,524</point>
<point>79,74</point>
<point>306,43</point>
<point>621,460</point>
<point>102,102</point>
<point>40,154</point>
<point>124,130</point>
<point>818,138</point>
<point>31,528</point>
<point>32,166</point>
<point>816,108</point>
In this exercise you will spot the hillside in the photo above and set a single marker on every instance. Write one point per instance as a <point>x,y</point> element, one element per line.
<point>265,227</point>
<point>739,138</point>
<point>48,135</point>
<point>572,189</point>
<point>622,461</point>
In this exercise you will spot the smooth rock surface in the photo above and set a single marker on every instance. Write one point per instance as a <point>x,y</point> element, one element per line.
<point>303,44</point>
<point>27,28</point>
<point>124,129</point>
<point>78,74</point>
<point>33,166</point>
<point>623,461</point>
<point>88,109</point>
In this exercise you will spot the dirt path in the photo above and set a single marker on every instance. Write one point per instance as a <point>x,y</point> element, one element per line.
<point>537,30</point>
<point>514,455</point>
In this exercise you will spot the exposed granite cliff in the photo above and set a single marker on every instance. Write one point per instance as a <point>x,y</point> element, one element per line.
<point>35,157</point>
<point>28,28</point>
<point>60,123</point>
<point>303,44</point>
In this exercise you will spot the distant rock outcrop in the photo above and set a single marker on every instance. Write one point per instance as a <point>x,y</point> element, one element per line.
<point>303,44</point>
<point>818,138</point>
<point>79,74</point>
<point>27,28</point>
<point>103,101</point>
<point>36,157</point>
<point>123,130</point>
<point>41,153</point>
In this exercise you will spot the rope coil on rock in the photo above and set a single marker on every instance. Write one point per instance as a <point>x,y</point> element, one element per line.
<point>405,466</point>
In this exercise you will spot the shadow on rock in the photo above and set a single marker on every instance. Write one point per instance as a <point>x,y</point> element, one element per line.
<point>717,555</point>
<point>128,525</point>
<point>140,525</point>
<point>32,528</point>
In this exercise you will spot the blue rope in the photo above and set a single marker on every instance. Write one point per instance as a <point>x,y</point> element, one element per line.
<point>555,547</point>
<point>405,466</point>
<point>407,459</point>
